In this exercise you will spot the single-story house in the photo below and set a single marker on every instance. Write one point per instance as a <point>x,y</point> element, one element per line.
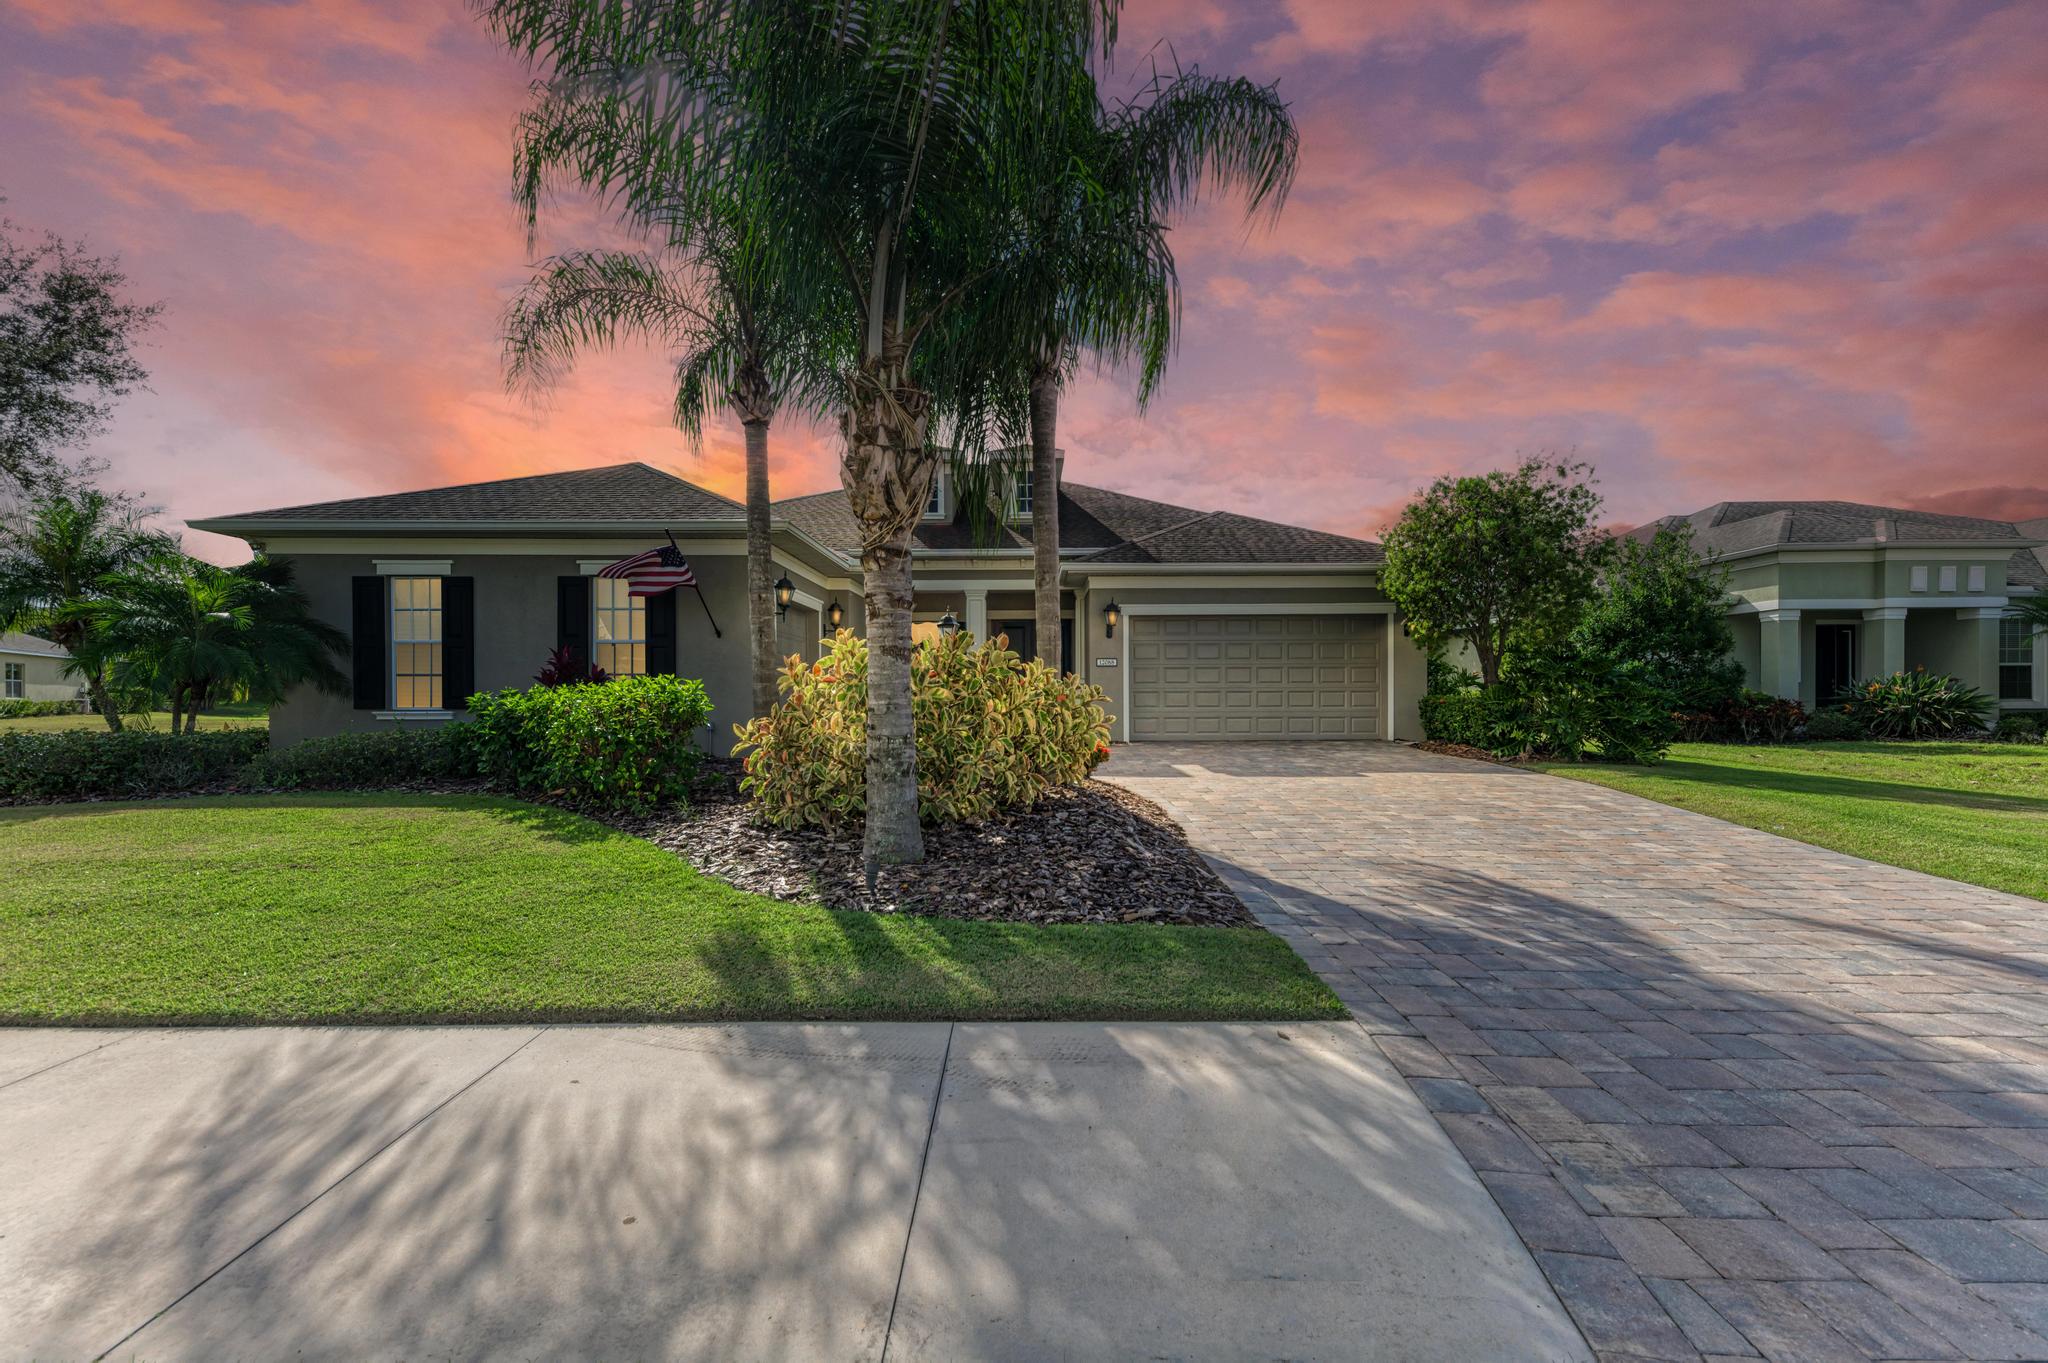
<point>1198,624</point>
<point>1824,593</point>
<point>33,669</point>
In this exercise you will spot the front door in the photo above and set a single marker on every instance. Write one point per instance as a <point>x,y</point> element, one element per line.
<point>1834,668</point>
<point>1024,635</point>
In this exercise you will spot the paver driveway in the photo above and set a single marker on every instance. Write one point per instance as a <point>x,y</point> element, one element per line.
<point>1739,1095</point>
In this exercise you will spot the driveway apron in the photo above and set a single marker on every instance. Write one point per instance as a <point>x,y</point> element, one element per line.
<point>1738,1095</point>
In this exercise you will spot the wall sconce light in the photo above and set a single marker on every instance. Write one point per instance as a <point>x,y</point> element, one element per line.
<point>784,591</point>
<point>949,624</point>
<point>833,615</point>
<point>1110,615</point>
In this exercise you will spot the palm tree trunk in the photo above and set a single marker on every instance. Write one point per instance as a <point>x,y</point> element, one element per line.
<point>177,706</point>
<point>760,568</point>
<point>96,689</point>
<point>1045,512</point>
<point>893,835</point>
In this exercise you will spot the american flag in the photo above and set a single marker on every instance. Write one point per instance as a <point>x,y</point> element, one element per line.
<point>653,572</point>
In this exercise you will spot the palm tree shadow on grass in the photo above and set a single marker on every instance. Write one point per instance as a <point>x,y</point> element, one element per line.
<point>1843,787</point>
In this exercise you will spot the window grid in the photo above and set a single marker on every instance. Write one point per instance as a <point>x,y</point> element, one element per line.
<point>1024,493</point>
<point>416,643</point>
<point>14,681</point>
<point>2015,659</point>
<point>619,625</point>
<point>935,505</point>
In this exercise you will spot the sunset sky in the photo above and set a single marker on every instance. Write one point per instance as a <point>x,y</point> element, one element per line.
<point>1727,250</point>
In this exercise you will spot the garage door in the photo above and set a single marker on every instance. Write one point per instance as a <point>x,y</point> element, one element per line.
<point>1255,676</point>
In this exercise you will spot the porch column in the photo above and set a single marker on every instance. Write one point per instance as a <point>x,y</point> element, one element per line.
<point>1779,658</point>
<point>977,615</point>
<point>1976,662</point>
<point>1884,641</point>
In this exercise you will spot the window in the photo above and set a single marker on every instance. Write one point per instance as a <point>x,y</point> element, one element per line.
<point>415,643</point>
<point>619,627</point>
<point>935,505</point>
<point>2015,659</point>
<point>14,688</point>
<point>1024,493</point>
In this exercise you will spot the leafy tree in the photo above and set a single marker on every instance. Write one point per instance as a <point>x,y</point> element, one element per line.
<point>1504,561</point>
<point>739,346</point>
<point>2033,610</point>
<point>66,349</point>
<point>195,633</point>
<point>1661,616</point>
<point>54,566</point>
<point>877,149</point>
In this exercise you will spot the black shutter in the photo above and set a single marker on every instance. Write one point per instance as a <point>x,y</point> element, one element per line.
<point>661,633</point>
<point>572,617</point>
<point>367,643</point>
<point>458,641</point>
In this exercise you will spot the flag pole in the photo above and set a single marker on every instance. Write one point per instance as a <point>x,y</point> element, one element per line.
<point>716,632</point>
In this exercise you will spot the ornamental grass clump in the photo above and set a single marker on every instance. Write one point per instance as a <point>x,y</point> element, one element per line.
<point>993,732</point>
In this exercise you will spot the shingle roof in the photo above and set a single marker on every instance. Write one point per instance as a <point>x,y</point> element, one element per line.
<point>1102,526</point>
<point>1733,527</point>
<point>2031,569</point>
<point>620,492</point>
<point>14,641</point>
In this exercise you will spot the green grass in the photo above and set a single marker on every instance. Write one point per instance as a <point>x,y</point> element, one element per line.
<point>390,908</point>
<point>236,715</point>
<point>1975,812</point>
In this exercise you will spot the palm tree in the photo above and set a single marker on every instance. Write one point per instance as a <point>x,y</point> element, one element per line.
<point>875,148</point>
<point>53,567</point>
<point>738,346</point>
<point>1098,272</point>
<point>194,633</point>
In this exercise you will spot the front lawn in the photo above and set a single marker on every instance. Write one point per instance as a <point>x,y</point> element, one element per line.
<point>234,715</point>
<point>394,908</point>
<point>1976,812</point>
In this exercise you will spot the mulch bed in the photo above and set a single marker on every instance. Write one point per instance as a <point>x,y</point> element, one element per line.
<point>1095,854</point>
<point>1462,750</point>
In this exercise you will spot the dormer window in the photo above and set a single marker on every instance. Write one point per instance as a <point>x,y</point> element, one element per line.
<point>1023,494</point>
<point>935,505</point>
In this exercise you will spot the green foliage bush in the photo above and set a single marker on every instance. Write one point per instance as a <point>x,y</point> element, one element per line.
<point>86,764</point>
<point>1661,615</point>
<point>1559,713</point>
<point>1915,705</point>
<point>1834,726</point>
<point>1751,717</point>
<point>628,744</point>
<point>993,732</point>
<point>2018,729</point>
<point>36,709</point>
<point>377,759</point>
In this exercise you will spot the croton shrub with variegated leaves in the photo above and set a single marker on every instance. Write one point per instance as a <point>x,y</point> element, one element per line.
<point>994,732</point>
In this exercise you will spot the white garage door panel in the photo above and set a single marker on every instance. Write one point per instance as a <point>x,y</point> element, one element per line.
<point>1255,676</point>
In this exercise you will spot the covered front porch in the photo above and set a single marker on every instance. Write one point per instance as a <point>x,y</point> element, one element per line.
<point>1810,655</point>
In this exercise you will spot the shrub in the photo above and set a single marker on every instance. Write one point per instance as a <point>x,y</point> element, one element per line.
<point>1557,713</point>
<point>1471,718</point>
<point>629,744</point>
<point>993,732</point>
<point>1751,717</point>
<point>564,668</point>
<point>2018,729</point>
<point>366,761</point>
<point>1834,726</point>
<point>1916,705</point>
<point>86,764</point>
<point>36,709</point>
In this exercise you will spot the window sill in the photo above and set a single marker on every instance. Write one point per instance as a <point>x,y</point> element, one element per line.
<point>403,715</point>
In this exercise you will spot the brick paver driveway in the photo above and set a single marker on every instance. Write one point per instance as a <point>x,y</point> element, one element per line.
<point>1739,1095</point>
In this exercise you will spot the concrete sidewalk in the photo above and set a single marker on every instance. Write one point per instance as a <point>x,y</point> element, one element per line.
<point>741,1192</point>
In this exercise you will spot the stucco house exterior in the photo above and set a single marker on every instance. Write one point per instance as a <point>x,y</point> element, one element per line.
<point>33,669</point>
<point>1225,626</point>
<point>1824,593</point>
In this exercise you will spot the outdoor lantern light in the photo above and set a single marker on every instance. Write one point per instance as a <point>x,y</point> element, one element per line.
<point>833,615</point>
<point>784,590</point>
<point>1110,615</point>
<point>949,625</point>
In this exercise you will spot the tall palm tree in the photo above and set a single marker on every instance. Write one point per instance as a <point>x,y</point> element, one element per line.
<point>197,633</point>
<point>738,346</point>
<point>54,563</point>
<point>876,148</point>
<point>1097,271</point>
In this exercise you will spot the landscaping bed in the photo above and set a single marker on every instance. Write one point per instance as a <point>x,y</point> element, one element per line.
<point>1089,854</point>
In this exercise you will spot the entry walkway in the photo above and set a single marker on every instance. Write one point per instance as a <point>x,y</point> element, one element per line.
<point>1739,1095</point>
<point>914,1191</point>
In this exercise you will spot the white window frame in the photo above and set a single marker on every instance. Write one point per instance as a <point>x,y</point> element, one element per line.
<point>437,639</point>
<point>1020,491</point>
<point>935,505</point>
<point>2031,648</point>
<point>17,681</point>
<point>633,608</point>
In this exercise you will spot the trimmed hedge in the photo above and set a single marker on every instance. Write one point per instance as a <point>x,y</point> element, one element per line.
<point>1834,726</point>
<point>1616,718</point>
<point>86,764</point>
<point>38,709</point>
<point>370,760</point>
<point>625,744</point>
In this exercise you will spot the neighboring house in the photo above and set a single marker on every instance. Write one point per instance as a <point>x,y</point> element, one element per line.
<point>33,669</point>
<point>1226,627</point>
<point>1824,593</point>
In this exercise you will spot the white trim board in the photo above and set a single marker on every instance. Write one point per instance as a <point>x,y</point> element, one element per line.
<point>1260,608</point>
<point>1927,602</point>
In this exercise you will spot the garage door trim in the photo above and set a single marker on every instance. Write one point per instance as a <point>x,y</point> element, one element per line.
<point>1213,608</point>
